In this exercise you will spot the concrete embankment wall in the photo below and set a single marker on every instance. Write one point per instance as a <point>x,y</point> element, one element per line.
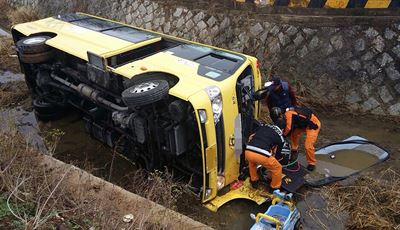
<point>338,59</point>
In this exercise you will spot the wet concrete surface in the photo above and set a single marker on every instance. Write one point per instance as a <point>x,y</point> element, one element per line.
<point>4,33</point>
<point>77,147</point>
<point>8,77</point>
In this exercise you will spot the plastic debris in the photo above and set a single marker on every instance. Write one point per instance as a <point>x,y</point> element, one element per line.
<point>128,218</point>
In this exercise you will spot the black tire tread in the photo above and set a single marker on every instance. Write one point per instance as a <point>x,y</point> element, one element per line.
<point>47,117</point>
<point>36,58</point>
<point>43,107</point>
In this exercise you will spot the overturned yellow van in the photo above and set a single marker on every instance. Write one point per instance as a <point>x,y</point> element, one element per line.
<point>160,100</point>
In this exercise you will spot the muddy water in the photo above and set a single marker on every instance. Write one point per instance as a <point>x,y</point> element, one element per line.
<point>352,159</point>
<point>77,147</point>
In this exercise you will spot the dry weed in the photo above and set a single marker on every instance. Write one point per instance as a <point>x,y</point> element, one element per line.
<point>12,94</point>
<point>23,14</point>
<point>157,186</point>
<point>37,198</point>
<point>5,7</point>
<point>373,203</point>
<point>8,56</point>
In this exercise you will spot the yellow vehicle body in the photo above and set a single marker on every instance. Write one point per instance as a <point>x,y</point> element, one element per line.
<point>78,41</point>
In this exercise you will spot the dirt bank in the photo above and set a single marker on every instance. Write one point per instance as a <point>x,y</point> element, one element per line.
<point>59,194</point>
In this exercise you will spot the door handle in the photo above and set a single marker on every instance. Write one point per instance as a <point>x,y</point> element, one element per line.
<point>232,141</point>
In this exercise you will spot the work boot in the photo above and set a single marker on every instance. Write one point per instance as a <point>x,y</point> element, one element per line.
<point>311,168</point>
<point>254,184</point>
<point>293,155</point>
<point>271,190</point>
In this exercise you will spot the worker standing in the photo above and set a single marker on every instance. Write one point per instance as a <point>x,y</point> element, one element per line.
<point>297,121</point>
<point>264,143</point>
<point>281,94</point>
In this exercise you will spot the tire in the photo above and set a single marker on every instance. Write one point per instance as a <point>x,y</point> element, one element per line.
<point>177,110</point>
<point>44,107</point>
<point>45,111</point>
<point>48,117</point>
<point>298,225</point>
<point>146,92</point>
<point>33,45</point>
<point>36,58</point>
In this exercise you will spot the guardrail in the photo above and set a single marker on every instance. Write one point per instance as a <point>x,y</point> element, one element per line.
<point>333,4</point>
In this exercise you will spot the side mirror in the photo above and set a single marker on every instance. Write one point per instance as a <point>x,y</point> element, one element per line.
<point>261,94</point>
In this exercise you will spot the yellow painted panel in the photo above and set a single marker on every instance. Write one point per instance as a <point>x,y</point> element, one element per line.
<point>378,3</point>
<point>336,3</point>
<point>244,192</point>
<point>211,156</point>
<point>299,3</point>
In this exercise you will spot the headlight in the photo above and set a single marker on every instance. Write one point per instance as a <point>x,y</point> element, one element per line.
<point>214,93</point>
<point>220,182</point>
<point>202,115</point>
<point>208,193</point>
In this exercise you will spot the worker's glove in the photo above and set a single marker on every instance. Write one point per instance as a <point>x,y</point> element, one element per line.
<point>312,125</point>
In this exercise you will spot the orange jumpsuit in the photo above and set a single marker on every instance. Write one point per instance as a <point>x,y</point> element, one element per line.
<point>260,150</point>
<point>270,163</point>
<point>311,135</point>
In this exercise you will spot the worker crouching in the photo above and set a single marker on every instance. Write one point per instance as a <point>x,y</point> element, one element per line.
<point>263,144</point>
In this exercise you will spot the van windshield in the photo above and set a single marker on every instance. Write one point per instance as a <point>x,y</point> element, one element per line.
<point>214,64</point>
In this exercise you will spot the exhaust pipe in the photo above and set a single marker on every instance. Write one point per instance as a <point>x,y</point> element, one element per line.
<point>89,92</point>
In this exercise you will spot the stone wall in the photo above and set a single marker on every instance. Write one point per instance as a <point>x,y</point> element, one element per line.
<point>353,62</point>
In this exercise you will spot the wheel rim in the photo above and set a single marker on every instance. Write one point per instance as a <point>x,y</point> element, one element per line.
<point>144,87</point>
<point>34,40</point>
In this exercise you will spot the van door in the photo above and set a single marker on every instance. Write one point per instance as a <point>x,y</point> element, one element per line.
<point>246,121</point>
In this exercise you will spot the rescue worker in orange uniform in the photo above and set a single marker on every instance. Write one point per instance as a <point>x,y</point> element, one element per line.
<point>300,120</point>
<point>264,143</point>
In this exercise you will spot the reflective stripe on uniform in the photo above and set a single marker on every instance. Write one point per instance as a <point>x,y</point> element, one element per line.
<point>258,150</point>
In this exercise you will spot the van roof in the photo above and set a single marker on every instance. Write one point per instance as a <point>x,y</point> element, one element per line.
<point>127,49</point>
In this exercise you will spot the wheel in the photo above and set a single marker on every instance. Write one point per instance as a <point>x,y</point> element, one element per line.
<point>33,50</point>
<point>177,109</point>
<point>298,225</point>
<point>36,58</point>
<point>48,117</point>
<point>45,111</point>
<point>33,45</point>
<point>146,92</point>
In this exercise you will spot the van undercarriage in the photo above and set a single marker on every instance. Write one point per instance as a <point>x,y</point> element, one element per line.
<point>161,131</point>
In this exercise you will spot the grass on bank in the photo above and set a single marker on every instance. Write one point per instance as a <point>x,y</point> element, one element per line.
<point>13,94</point>
<point>34,197</point>
<point>12,16</point>
<point>8,55</point>
<point>372,202</point>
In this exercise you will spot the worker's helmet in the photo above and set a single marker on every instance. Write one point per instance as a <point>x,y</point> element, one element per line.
<point>281,123</point>
<point>276,79</point>
<point>275,113</point>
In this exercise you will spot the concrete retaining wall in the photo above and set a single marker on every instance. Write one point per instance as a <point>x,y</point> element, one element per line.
<point>340,60</point>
